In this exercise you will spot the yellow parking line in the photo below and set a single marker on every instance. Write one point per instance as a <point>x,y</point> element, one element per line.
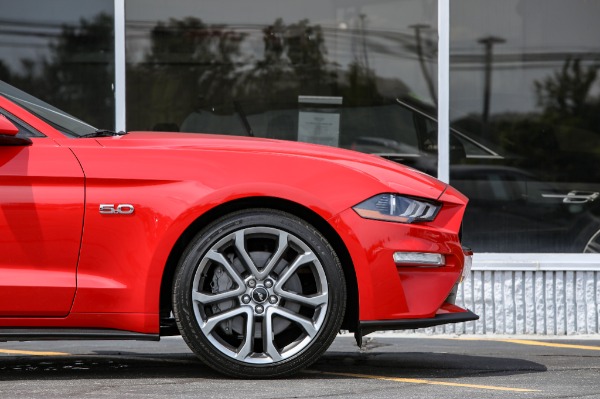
<point>550,344</point>
<point>32,353</point>
<point>427,382</point>
<point>534,343</point>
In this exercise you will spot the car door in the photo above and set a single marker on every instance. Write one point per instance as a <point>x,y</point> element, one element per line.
<point>41,216</point>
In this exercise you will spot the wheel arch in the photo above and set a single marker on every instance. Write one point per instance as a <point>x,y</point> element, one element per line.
<point>352,306</point>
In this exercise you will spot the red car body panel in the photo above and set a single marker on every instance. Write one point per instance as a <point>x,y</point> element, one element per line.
<point>42,208</point>
<point>82,268</point>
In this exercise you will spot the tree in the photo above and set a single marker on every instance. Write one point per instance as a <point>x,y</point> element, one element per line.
<point>77,76</point>
<point>187,59</point>
<point>565,96</point>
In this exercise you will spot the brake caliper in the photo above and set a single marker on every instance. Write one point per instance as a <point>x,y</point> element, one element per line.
<point>221,282</point>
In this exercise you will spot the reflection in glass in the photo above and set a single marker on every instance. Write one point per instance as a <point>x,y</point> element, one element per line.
<point>65,58</point>
<point>324,72</point>
<point>524,85</point>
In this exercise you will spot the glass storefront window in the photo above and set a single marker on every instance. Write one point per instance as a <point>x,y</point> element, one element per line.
<point>524,90</point>
<point>327,72</point>
<point>65,58</point>
<point>524,86</point>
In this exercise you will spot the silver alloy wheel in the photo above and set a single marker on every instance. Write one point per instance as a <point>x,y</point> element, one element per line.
<point>593,245</point>
<point>260,295</point>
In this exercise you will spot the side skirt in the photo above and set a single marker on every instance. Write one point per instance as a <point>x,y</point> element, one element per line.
<point>56,334</point>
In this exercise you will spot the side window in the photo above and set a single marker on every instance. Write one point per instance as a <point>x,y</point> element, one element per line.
<point>471,149</point>
<point>25,130</point>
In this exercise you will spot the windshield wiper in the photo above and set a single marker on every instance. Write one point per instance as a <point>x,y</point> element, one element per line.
<point>238,108</point>
<point>103,133</point>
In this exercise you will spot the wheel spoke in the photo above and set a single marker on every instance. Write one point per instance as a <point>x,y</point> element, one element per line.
<point>314,301</point>
<point>300,260</point>
<point>213,321</point>
<point>240,245</point>
<point>248,344</point>
<point>283,244</point>
<point>207,298</point>
<point>304,322</point>
<point>268,337</point>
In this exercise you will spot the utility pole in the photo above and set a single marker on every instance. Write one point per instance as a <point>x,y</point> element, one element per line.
<point>426,75</point>
<point>489,43</point>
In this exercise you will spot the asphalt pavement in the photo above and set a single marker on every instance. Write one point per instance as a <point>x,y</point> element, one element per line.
<point>387,366</point>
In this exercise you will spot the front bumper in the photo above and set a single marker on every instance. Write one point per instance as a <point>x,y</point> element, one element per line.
<point>402,284</point>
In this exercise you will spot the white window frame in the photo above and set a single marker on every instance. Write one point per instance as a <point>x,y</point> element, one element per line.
<point>443,105</point>
<point>120,93</point>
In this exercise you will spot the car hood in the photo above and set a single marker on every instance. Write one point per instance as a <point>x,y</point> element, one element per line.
<point>398,177</point>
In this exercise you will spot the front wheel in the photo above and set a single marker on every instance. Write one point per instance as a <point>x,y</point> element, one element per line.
<point>259,293</point>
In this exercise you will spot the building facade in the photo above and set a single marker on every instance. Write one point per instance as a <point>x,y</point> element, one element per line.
<point>499,98</point>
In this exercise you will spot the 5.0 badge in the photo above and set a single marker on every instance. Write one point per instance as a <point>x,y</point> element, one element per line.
<point>119,209</point>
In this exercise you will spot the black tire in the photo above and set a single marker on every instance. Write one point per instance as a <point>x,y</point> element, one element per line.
<point>259,293</point>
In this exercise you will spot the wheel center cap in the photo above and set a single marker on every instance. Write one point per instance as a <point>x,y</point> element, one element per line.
<point>260,295</point>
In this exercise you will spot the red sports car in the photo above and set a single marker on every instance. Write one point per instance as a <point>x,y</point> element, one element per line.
<point>256,251</point>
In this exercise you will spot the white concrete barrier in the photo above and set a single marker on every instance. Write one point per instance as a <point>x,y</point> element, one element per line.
<point>545,294</point>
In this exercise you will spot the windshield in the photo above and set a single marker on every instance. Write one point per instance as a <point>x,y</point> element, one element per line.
<point>60,120</point>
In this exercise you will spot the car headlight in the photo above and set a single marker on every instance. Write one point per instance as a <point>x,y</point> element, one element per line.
<point>397,208</point>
